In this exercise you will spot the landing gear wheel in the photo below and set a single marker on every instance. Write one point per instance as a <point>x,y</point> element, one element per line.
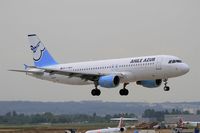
<point>121,92</point>
<point>166,88</point>
<point>93,92</point>
<point>96,92</point>
<point>124,91</point>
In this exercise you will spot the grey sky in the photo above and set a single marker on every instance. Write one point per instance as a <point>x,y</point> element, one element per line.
<point>83,30</point>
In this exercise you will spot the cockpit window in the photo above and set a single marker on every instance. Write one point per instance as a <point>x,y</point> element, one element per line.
<point>174,61</point>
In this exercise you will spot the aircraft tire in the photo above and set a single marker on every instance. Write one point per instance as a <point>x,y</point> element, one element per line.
<point>126,92</point>
<point>98,92</point>
<point>166,88</point>
<point>95,92</point>
<point>123,92</point>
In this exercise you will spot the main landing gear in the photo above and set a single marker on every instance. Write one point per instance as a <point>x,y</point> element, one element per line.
<point>124,91</point>
<point>96,91</point>
<point>166,88</point>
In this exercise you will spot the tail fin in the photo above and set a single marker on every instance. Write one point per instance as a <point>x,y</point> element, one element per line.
<point>180,122</point>
<point>41,56</point>
<point>121,123</point>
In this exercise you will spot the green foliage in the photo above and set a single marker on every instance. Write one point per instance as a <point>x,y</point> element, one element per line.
<point>198,112</point>
<point>151,113</point>
<point>47,117</point>
<point>159,115</point>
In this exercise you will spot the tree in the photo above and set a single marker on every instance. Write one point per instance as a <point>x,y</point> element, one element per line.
<point>186,112</point>
<point>14,113</point>
<point>9,114</point>
<point>198,112</point>
<point>149,113</point>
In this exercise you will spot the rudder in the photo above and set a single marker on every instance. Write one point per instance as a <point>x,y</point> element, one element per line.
<point>41,56</point>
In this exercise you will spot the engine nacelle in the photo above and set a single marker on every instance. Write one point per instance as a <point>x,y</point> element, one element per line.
<point>122,129</point>
<point>109,81</point>
<point>150,83</point>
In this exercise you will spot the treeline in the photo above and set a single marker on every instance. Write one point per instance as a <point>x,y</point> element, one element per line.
<point>159,115</point>
<point>16,118</point>
<point>20,118</point>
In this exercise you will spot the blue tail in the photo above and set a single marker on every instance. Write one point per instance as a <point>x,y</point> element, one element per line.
<point>41,56</point>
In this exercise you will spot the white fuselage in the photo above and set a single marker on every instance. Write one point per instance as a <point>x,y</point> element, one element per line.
<point>128,69</point>
<point>191,123</point>
<point>106,130</point>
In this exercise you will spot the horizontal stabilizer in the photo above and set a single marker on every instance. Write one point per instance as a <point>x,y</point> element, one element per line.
<point>27,71</point>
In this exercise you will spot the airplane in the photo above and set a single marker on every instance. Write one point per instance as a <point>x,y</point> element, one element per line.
<point>183,123</point>
<point>120,128</point>
<point>147,71</point>
<point>191,123</point>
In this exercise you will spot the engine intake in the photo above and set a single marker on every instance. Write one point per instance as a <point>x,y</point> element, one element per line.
<point>122,129</point>
<point>150,83</point>
<point>109,81</point>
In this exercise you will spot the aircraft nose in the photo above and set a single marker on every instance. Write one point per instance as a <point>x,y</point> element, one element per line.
<point>185,68</point>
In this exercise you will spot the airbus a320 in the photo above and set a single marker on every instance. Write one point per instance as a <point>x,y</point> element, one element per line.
<point>147,71</point>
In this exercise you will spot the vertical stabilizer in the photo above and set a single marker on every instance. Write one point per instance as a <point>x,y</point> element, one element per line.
<point>41,56</point>
<point>121,123</point>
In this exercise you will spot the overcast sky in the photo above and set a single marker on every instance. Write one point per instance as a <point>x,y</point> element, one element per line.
<point>74,30</point>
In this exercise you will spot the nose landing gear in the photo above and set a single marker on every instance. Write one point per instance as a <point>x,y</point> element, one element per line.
<point>166,88</point>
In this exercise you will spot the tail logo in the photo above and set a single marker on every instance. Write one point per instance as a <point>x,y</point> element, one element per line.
<point>37,51</point>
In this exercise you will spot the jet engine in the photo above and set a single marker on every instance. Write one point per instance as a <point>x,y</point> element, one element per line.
<point>109,81</point>
<point>150,83</point>
<point>122,129</point>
